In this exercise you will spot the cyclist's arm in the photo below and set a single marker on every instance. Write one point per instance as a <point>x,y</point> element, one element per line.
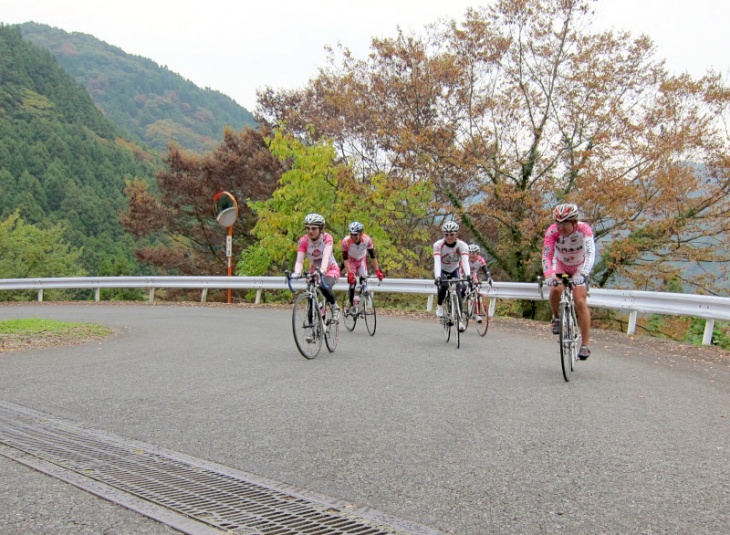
<point>299,265</point>
<point>548,251</point>
<point>590,248</point>
<point>465,266</point>
<point>437,259</point>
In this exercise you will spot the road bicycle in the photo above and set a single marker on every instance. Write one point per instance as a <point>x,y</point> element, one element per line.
<point>363,307</point>
<point>313,317</point>
<point>453,314</point>
<point>569,331</point>
<point>476,307</point>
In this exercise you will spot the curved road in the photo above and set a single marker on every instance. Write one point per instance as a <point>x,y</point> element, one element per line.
<point>483,439</point>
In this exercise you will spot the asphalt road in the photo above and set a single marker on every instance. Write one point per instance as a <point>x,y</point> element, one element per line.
<point>483,439</point>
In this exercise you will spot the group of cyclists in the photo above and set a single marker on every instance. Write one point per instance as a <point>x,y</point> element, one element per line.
<point>568,249</point>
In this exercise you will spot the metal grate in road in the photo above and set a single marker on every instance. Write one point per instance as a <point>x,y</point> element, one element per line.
<point>189,494</point>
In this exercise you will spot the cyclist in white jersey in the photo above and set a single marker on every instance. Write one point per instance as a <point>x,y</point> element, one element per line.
<point>450,256</point>
<point>355,249</point>
<point>569,249</point>
<point>317,246</point>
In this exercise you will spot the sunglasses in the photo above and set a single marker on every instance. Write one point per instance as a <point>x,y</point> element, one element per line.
<point>449,233</point>
<point>311,228</point>
<point>354,235</point>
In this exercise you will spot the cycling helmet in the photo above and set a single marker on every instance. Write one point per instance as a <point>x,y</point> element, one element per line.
<point>314,219</point>
<point>450,226</point>
<point>565,212</point>
<point>356,227</point>
<point>474,248</point>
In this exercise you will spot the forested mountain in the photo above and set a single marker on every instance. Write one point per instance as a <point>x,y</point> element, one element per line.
<point>61,160</point>
<point>151,102</point>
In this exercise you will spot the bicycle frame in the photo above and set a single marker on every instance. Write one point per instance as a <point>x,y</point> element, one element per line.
<point>453,314</point>
<point>318,322</point>
<point>569,331</point>
<point>365,307</point>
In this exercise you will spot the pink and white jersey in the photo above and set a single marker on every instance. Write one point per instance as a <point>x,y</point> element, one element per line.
<point>449,258</point>
<point>315,251</point>
<point>477,265</point>
<point>570,254</point>
<point>357,251</point>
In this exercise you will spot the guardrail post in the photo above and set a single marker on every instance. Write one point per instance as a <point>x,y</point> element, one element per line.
<point>40,295</point>
<point>632,322</point>
<point>492,306</point>
<point>204,295</point>
<point>151,297</point>
<point>258,297</point>
<point>97,294</point>
<point>709,329</point>
<point>429,304</point>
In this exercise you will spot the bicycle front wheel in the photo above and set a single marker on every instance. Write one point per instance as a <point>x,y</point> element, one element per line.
<point>306,326</point>
<point>481,311</point>
<point>369,309</point>
<point>446,318</point>
<point>567,341</point>
<point>331,328</point>
<point>350,320</point>
<point>458,319</point>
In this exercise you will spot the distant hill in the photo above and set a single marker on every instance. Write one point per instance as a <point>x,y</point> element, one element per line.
<point>151,102</point>
<point>61,159</point>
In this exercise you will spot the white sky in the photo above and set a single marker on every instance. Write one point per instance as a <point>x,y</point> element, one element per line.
<point>239,46</point>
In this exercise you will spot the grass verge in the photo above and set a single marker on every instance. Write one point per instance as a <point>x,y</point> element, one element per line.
<point>36,333</point>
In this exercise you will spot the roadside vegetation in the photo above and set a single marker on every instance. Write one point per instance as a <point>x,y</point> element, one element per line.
<point>35,333</point>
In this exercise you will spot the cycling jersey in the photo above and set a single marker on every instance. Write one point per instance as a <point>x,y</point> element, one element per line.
<point>319,253</point>
<point>570,254</point>
<point>478,264</point>
<point>356,253</point>
<point>448,258</point>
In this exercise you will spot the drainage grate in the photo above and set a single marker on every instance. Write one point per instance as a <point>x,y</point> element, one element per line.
<point>192,495</point>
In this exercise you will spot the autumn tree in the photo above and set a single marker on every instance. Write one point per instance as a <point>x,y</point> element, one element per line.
<point>317,180</point>
<point>179,217</point>
<point>521,106</point>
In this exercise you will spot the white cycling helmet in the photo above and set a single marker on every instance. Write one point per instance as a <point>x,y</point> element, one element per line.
<point>450,226</point>
<point>314,219</point>
<point>474,248</point>
<point>564,212</point>
<point>356,227</point>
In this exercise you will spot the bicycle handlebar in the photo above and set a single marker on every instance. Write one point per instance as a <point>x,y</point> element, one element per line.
<point>309,276</point>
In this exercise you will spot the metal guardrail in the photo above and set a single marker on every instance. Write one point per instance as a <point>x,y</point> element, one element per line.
<point>710,308</point>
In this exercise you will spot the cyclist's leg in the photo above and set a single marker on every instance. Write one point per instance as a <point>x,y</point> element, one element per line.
<point>328,293</point>
<point>583,313</point>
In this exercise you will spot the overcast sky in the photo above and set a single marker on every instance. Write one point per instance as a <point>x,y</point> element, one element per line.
<point>239,46</point>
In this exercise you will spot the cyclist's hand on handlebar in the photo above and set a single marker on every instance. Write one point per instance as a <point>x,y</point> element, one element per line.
<point>295,275</point>
<point>552,281</point>
<point>437,281</point>
<point>351,278</point>
<point>578,279</point>
<point>379,274</point>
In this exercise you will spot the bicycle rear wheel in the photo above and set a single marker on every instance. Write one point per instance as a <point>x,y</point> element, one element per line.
<point>369,309</point>
<point>331,328</point>
<point>350,320</point>
<point>567,341</point>
<point>306,326</point>
<point>481,311</point>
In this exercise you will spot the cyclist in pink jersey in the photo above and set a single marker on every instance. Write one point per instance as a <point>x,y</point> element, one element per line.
<point>478,264</point>
<point>355,249</point>
<point>317,246</point>
<point>569,249</point>
<point>450,257</point>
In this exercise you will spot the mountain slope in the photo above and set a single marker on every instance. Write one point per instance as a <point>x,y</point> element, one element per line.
<point>151,102</point>
<point>61,160</point>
